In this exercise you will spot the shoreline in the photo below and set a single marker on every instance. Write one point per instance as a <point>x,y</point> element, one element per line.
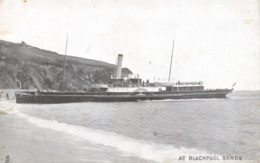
<point>24,141</point>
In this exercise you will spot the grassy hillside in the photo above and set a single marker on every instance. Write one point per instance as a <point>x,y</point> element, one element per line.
<point>42,69</point>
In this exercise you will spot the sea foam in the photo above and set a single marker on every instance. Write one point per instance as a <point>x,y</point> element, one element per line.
<point>124,144</point>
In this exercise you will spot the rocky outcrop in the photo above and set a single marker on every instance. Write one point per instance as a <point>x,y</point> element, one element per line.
<point>42,69</point>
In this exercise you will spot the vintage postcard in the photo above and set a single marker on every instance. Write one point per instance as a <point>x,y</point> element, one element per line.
<point>129,81</point>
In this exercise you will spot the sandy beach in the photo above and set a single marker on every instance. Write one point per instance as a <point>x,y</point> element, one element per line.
<point>23,142</point>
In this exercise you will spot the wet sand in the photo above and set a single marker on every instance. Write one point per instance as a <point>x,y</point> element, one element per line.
<point>25,141</point>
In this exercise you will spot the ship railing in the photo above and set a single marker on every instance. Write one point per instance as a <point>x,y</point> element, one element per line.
<point>189,83</point>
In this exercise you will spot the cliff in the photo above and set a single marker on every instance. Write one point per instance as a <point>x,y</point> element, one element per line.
<point>41,69</point>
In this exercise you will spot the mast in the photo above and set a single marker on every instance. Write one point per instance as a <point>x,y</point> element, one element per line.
<point>171,59</point>
<point>64,63</point>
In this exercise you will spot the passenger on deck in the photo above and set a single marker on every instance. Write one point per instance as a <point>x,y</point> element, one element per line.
<point>38,92</point>
<point>7,159</point>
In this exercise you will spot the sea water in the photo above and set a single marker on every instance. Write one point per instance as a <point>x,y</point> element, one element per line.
<point>147,131</point>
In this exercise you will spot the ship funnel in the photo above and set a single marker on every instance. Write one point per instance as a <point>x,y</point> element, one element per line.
<point>119,66</point>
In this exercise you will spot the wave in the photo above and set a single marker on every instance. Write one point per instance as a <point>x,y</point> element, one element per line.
<point>244,97</point>
<point>6,107</point>
<point>180,100</point>
<point>124,144</point>
<point>201,99</point>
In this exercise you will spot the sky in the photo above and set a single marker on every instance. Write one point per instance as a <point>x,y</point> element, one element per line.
<point>215,41</point>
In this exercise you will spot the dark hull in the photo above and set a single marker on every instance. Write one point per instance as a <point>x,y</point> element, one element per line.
<point>48,98</point>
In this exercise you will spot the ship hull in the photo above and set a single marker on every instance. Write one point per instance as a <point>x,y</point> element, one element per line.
<point>54,98</point>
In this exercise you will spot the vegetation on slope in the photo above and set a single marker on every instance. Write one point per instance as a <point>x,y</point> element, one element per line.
<point>41,69</point>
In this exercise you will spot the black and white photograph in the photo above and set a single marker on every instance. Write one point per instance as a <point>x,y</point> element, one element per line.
<point>130,81</point>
